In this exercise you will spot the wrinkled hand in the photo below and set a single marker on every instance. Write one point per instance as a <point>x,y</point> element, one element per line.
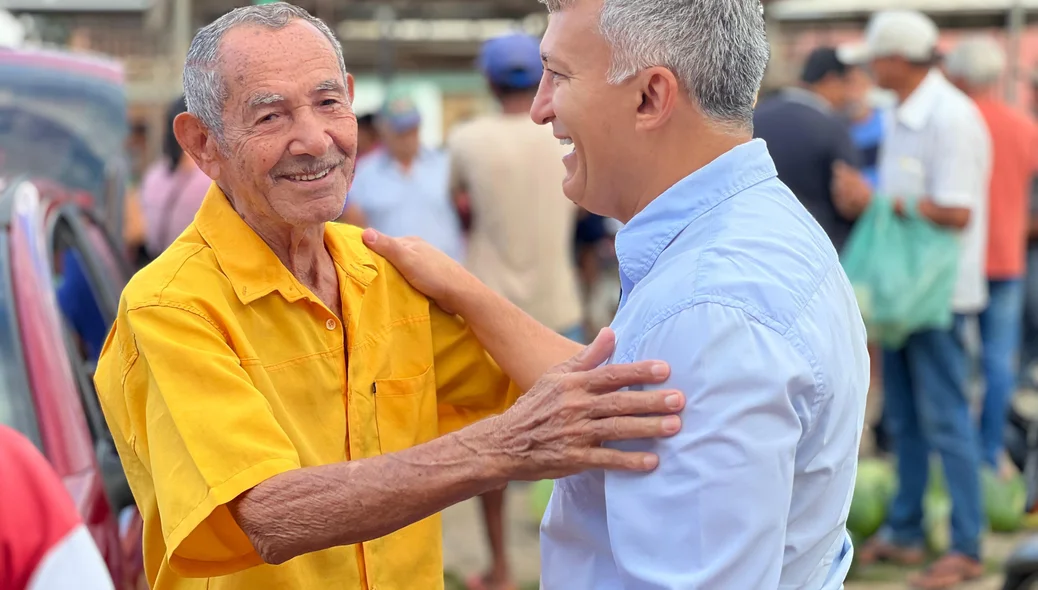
<point>427,269</point>
<point>851,192</point>
<point>557,428</point>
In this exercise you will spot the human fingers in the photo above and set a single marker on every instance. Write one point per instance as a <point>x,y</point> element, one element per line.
<point>632,428</point>
<point>592,355</point>
<point>616,460</point>
<point>636,403</point>
<point>610,378</point>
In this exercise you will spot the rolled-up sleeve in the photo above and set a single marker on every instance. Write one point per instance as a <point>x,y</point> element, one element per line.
<point>962,166</point>
<point>205,431</point>
<point>713,514</point>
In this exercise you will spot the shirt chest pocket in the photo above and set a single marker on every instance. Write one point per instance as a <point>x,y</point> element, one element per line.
<point>405,410</point>
<point>907,178</point>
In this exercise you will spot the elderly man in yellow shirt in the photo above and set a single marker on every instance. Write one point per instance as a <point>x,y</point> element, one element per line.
<point>276,390</point>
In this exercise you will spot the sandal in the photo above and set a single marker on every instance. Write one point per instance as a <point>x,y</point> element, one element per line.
<point>947,572</point>
<point>877,550</point>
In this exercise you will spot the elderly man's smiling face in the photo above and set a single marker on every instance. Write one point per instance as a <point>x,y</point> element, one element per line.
<point>290,133</point>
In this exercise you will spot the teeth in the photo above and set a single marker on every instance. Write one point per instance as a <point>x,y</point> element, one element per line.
<point>566,141</point>
<point>308,177</point>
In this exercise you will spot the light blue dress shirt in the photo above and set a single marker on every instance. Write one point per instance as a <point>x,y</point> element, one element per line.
<point>413,203</point>
<point>730,280</point>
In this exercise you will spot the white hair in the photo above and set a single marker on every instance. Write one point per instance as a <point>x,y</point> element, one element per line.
<point>977,60</point>
<point>204,88</point>
<point>717,49</point>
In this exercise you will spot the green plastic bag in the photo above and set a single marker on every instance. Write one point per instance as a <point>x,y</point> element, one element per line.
<point>903,271</point>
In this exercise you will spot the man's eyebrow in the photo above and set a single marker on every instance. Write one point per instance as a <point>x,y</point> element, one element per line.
<point>330,86</point>
<point>547,58</point>
<point>261,99</point>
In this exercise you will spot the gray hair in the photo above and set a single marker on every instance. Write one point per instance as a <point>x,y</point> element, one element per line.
<point>204,88</point>
<point>717,49</point>
<point>977,60</point>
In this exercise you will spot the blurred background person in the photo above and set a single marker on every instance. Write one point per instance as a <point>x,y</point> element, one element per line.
<point>936,160</point>
<point>367,144</point>
<point>807,135</point>
<point>43,542</point>
<point>866,119</point>
<point>367,135</point>
<point>522,225</point>
<point>976,66</point>
<point>172,189</point>
<point>402,189</point>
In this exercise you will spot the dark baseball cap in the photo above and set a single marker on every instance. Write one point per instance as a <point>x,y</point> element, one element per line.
<point>822,62</point>
<point>512,60</point>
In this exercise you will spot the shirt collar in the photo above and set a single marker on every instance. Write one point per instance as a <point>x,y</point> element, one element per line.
<point>252,267</point>
<point>915,111</point>
<point>640,242</point>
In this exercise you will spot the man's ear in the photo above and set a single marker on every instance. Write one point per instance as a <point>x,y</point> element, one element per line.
<point>349,86</point>
<point>198,142</point>
<point>660,92</point>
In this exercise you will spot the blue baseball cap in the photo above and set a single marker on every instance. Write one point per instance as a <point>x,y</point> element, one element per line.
<point>512,60</point>
<point>400,114</point>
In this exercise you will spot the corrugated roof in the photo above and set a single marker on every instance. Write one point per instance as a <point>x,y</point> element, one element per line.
<point>832,9</point>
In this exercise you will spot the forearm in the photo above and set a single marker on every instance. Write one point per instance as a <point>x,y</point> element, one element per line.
<point>953,217</point>
<point>315,508</point>
<point>523,347</point>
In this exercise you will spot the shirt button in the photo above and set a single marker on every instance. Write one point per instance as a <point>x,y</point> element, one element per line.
<point>330,324</point>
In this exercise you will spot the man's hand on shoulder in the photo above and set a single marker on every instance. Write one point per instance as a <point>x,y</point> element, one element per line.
<point>427,269</point>
<point>557,429</point>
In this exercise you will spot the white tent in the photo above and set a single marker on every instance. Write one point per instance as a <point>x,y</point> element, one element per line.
<point>793,10</point>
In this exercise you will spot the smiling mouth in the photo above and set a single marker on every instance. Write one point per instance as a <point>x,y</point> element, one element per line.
<point>310,177</point>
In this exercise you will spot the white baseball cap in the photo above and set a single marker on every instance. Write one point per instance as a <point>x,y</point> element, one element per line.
<point>905,33</point>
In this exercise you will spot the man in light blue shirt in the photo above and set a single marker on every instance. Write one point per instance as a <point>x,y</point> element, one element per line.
<point>725,276</point>
<point>402,188</point>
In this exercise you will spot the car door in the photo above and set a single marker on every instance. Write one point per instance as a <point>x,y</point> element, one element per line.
<point>89,301</point>
<point>64,430</point>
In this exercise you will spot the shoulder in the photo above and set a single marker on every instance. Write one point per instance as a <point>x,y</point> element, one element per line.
<point>760,252</point>
<point>187,275</point>
<point>386,277</point>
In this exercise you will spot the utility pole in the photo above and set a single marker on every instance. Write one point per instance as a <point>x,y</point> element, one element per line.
<point>1017,23</point>
<point>385,14</point>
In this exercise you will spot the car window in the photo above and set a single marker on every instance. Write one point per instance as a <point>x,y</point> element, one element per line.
<point>16,404</point>
<point>77,286</point>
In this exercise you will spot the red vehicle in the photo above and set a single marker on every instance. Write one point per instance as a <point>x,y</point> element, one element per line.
<point>62,123</point>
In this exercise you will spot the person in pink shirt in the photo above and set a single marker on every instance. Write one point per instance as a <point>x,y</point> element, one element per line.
<point>976,66</point>
<point>43,543</point>
<point>172,190</point>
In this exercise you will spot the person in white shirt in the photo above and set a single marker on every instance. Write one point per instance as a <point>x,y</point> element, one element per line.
<point>936,157</point>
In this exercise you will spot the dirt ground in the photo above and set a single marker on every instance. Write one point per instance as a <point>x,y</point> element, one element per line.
<point>465,549</point>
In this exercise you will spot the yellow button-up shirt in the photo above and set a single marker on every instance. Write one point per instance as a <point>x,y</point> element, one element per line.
<point>223,370</point>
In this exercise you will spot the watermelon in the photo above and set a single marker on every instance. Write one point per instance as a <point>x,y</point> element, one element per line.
<point>540,494</point>
<point>1004,501</point>
<point>873,490</point>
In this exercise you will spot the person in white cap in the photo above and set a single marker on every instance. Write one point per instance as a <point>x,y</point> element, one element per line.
<point>936,159</point>
<point>976,66</point>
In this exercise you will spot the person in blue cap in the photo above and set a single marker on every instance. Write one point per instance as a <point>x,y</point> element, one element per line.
<point>521,237</point>
<point>401,189</point>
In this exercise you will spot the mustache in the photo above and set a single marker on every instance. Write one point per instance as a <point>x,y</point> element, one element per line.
<point>303,165</point>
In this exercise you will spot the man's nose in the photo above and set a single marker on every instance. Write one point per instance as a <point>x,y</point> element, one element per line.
<point>542,112</point>
<point>310,135</point>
